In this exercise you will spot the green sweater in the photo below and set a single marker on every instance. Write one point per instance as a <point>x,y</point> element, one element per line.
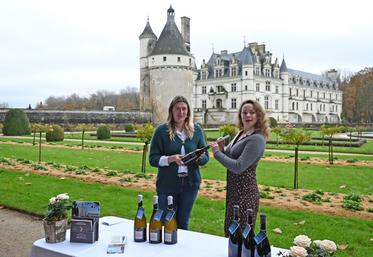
<point>167,179</point>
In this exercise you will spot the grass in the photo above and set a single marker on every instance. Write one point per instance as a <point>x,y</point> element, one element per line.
<point>31,193</point>
<point>277,174</point>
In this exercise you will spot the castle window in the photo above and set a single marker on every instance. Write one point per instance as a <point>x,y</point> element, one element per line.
<point>233,103</point>
<point>293,106</point>
<point>204,105</point>
<point>246,73</point>
<point>164,58</point>
<point>257,88</point>
<point>323,95</point>
<point>245,87</point>
<point>266,102</point>
<point>179,59</point>
<point>276,104</point>
<point>234,71</point>
<point>268,86</point>
<point>277,90</point>
<point>297,92</point>
<point>221,89</point>
<point>290,93</point>
<point>190,62</point>
<point>267,72</point>
<point>257,71</point>
<point>219,104</point>
<point>311,106</point>
<point>233,87</point>
<point>311,93</point>
<point>204,90</point>
<point>297,106</point>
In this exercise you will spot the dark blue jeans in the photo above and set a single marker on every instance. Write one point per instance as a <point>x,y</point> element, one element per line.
<point>183,201</point>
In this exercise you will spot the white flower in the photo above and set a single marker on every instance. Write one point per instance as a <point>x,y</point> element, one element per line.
<point>317,243</point>
<point>63,196</point>
<point>53,200</point>
<point>302,240</point>
<point>328,246</point>
<point>298,251</point>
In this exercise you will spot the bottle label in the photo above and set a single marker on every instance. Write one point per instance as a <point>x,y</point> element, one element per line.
<point>140,234</point>
<point>169,215</point>
<point>233,249</point>
<point>170,237</point>
<point>155,236</point>
<point>140,213</point>
<point>233,227</point>
<point>246,232</point>
<point>158,215</point>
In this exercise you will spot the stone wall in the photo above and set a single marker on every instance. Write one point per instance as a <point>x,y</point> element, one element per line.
<point>75,117</point>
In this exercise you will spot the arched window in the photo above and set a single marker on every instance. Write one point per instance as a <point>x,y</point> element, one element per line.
<point>219,104</point>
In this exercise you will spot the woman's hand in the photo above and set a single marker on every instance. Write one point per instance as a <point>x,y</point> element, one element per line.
<point>218,145</point>
<point>176,158</point>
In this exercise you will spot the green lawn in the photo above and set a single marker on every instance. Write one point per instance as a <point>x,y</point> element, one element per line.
<point>328,179</point>
<point>31,193</point>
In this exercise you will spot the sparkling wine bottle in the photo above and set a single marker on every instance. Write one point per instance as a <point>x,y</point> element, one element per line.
<point>170,225</point>
<point>193,156</point>
<point>248,244</point>
<point>262,245</point>
<point>140,222</point>
<point>235,234</point>
<point>155,224</point>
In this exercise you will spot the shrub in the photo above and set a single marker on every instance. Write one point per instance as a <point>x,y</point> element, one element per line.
<point>129,127</point>
<point>272,122</point>
<point>55,134</point>
<point>16,123</point>
<point>103,132</point>
<point>228,129</point>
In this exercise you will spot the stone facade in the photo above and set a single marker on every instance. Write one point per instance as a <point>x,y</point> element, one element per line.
<point>166,67</point>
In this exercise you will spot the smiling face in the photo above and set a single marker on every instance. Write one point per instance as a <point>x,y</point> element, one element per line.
<point>180,113</point>
<point>248,116</point>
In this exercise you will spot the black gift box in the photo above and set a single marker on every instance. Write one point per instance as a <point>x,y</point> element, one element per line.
<point>85,222</point>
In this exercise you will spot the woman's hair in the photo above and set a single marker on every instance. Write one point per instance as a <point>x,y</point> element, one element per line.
<point>262,124</point>
<point>187,126</point>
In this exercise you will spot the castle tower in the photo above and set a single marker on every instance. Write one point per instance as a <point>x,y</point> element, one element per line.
<point>147,42</point>
<point>170,68</point>
<point>284,76</point>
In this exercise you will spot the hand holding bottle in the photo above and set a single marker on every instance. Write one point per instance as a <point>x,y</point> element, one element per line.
<point>219,144</point>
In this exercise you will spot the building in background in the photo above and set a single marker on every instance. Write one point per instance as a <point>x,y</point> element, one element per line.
<point>167,67</point>
<point>216,90</point>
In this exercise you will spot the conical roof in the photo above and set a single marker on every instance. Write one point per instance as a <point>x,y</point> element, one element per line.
<point>283,67</point>
<point>170,41</point>
<point>148,32</point>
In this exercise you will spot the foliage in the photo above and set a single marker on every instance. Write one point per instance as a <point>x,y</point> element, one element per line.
<point>16,123</point>
<point>228,129</point>
<point>312,197</point>
<point>145,132</point>
<point>357,95</point>
<point>272,122</point>
<point>277,131</point>
<point>129,127</point>
<point>57,207</point>
<point>352,201</point>
<point>56,133</point>
<point>103,132</point>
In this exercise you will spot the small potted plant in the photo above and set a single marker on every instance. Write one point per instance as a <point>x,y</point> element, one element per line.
<point>55,221</point>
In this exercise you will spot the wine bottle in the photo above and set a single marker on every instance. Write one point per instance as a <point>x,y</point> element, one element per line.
<point>248,244</point>
<point>140,222</point>
<point>193,156</point>
<point>155,224</point>
<point>170,225</point>
<point>235,234</point>
<point>262,246</point>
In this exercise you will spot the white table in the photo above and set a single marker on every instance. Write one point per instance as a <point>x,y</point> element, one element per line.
<point>189,244</point>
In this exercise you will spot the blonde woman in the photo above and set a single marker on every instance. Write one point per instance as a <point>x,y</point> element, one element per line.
<point>241,158</point>
<point>170,142</point>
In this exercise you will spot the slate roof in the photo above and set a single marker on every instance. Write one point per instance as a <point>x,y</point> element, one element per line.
<point>170,41</point>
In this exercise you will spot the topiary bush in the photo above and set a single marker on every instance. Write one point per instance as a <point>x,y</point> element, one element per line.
<point>55,134</point>
<point>129,127</point>
<point>103,132</point>
<point>272,122</point>
<point>16,123</point>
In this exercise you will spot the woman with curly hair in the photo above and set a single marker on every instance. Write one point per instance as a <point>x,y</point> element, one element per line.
<point>241,158</point>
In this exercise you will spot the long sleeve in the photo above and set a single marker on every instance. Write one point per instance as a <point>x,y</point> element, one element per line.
<point>251,150</point>
<point>156,147</point>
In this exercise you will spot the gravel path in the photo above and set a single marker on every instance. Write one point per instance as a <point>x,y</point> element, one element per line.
<point>18,232</point>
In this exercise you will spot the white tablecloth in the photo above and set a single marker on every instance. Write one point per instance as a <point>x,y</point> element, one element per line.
<point>190,244</point>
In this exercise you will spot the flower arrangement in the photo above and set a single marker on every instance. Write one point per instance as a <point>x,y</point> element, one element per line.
<point>305,247</point>
<point>57,207</point>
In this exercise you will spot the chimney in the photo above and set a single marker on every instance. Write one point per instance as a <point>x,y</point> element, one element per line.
<point>185,31</point>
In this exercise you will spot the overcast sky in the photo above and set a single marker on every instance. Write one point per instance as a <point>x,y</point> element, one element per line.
<point>61,47</point>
